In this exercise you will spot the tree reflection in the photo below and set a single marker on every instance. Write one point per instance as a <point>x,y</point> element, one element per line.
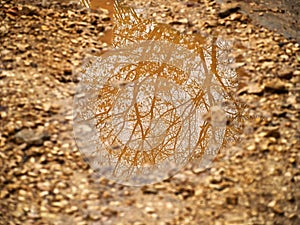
<point>161,99</point>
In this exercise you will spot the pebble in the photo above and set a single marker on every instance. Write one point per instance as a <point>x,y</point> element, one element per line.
<point>149,210</point>
<point>31,137</point>
<point>228,8</point>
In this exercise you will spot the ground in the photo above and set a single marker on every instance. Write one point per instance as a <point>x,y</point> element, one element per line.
<point>43,177</point>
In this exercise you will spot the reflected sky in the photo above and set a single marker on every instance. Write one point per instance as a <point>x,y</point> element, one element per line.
<point>158,101</point>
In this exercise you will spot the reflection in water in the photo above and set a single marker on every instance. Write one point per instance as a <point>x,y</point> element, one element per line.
<point>157,102</point>
<point>96,4</point>
<point>106,5</point>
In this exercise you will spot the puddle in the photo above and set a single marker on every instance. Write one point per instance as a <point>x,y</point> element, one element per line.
<point>103,4</point>
<point>159,101</point>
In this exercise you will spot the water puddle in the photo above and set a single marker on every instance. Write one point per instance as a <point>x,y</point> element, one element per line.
<point>158,102</point>
<point>108,6</point>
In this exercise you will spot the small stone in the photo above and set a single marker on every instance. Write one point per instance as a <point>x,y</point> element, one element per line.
<point>297,73</point>
<point>138,223</point>
<point>60,204</point>
<point>251,147</point>
<point>284,57</point>
<point>255,88</point>
<point>46,106</point>
<point>45,186</point>
<point>286,73</point>
<point>211,23</point>
<point>220,186</point>
<point>227,9</point>
<point>3,115</point>
<point>3,30</point>
<point>235,16</point>
<point>216,179</point>
<point>3,193</point>
<point>276,86</point>
<point>72,209</point>
<point>44,28</point>
<point>236,65</point>
<point>22,47</point>
<point>44,193</point>
<point>55,107</point>
<point>179,21</point>
<point>31,137</point>
<point>109,212</point>
<point>22,192</point>
<point>275,207</point>
<point>149,210</point>
<point>190,3</point>
<point>183,20</point>
<point>232,200</point>
<point>149,190</point>
<point>95,215</point>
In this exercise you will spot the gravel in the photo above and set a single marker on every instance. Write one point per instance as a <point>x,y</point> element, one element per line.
<point>44,178</point>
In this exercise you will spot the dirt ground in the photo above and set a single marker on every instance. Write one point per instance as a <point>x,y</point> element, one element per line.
<point>43,177</point>
<point>279,16</point>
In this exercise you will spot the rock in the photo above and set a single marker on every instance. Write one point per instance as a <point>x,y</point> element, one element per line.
<point>286,73</point>
<point>252,88</point>
<point>191,3</point>
<point>237,65</point>
<point>255,89</point>
<point>220,186</point>
<point>94,215</point>
<point>72,209</point>
<point>211,23</point>
<point>46,106</point>
<point>227,9</point>
<point>236,16</point>
<point>22,47</point>
<point>216,179</point>
<point>276,86</point>
<point>108,212</point>
<point>179,21</point>
<point>149,190</point>
<point>31,137</point>
<point>232,200</point>
<point>3,30</point>
<point>274,205</point>
<point>149,210</point>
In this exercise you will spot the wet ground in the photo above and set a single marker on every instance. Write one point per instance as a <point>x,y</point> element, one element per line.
<point>43,176</point>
